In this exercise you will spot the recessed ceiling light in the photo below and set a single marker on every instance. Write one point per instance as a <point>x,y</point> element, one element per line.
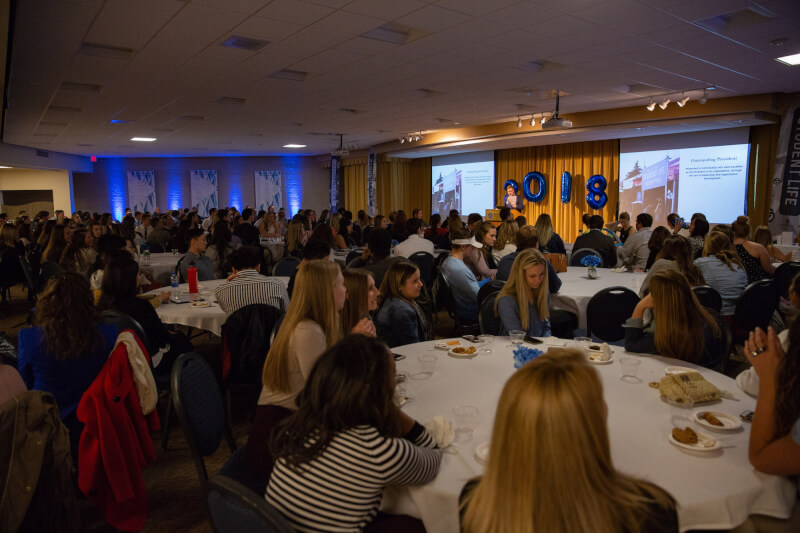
<point>793,59</point>
<point>143,139</point>
<point>294,145</point>
<point>5,167</point>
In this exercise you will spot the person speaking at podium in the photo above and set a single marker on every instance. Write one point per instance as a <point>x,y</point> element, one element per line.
<point>512,200</point>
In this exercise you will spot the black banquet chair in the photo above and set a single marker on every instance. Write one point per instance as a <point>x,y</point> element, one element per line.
<point>286,266</point>
<point>424,262</point>
<point>235,508</point>
<point>754,308</point>
<point>708,297</point>
<point>607,311</point>
<point>489,321</point>
<point>351,256</point>
<point>577,255</point>
<point>784,275</point>
<point>489,288</point>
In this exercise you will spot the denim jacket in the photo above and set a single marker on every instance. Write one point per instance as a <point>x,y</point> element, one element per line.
<point>397,323</point>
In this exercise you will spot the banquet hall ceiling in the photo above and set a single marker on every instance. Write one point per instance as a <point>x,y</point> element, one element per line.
<point>370,69</point>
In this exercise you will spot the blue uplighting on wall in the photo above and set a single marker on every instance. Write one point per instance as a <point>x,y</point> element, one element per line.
<point>293,182</point>
<point>234,179</point>
<point>176,174</point>
<point>117,186</point>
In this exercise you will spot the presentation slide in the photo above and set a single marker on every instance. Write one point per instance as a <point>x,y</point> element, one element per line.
<point>710,180</point>
<point>464,182</point>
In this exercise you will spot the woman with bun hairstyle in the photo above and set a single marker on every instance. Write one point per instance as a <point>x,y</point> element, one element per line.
<point>550,468</point>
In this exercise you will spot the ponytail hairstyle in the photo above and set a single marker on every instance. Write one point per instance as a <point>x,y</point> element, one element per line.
<point>718,245</point>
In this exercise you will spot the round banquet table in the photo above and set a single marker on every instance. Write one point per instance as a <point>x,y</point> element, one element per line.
<point>160,266</point>
<point>340,256</point>
<point>206,318</point>
<point>714,490</point>
<point>275,247</point>
<point>577,289</point>
<point>786,248</point>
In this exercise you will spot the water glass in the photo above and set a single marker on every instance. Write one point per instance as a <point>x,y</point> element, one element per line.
<point>630,369</point>
<point>174,251</point>
<point>485,343</point>
<point>427,365</point>
<point>582,342</point>
<point>466,420</point>
<point>517,336</point>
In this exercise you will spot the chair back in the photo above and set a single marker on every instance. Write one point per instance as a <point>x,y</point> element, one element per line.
<point>286,266</point>
<point>275,328</point>
<point>442,294</point>
<point>709,297</point>
<point>577,255</point>
<point>755,306</point>
<point>156,248</point>
<point>424,262</point>
<point>784,275</point>
<point>181,278</point>
<point>199,406</point>
<point>351,255</point>
<point>489,288</point>
<point>719,360</point>
<point>234,508</point>
<point>49,270</point>
<point>30,279</point>
<point>246,333</point>
<point>608,310</point>
<point>488,320</point>
<point>559,261</point>
<point>122,321</point>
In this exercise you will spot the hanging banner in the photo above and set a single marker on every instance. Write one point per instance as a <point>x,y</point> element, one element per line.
<point>334,183</point>
<point>268,189</point>
<point>204,190</point>
<point>372,203</point>
<point>141,190</point>
<point>784,213</point>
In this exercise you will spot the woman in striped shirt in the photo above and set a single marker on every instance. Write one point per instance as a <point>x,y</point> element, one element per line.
<point>346,442</point>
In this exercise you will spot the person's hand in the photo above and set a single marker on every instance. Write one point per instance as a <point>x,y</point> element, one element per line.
<point>644,303</point>
<point>764,352</point>
<point>164,296</point>
<point>232,276</point>
<point>365,255</point>
<point>366,327</point>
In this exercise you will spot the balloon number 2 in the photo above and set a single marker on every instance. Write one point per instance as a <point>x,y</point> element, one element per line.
<point>597,197</point>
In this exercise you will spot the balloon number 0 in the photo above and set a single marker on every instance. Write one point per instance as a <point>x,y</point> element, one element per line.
<point>526,187</point>
<point>597,197</point>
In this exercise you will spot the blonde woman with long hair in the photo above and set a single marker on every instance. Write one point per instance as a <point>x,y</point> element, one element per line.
<point>522,302</point>
<point>311,326</point>
<point>550,468</point>
<point>684,329</point>
<point>550,242</point>
<point>506,240</point>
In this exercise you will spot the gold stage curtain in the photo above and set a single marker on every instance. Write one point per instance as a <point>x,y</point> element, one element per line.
<point>401,184</point>
<point>582,160</point>
<point>763,147</point>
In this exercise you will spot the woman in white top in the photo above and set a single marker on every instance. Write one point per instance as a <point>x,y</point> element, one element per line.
<point>269,226</point>
<point>311,326</point>
<point>506,238</point>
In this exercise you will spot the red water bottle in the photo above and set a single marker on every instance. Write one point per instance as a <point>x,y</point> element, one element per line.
<point>192,281</point>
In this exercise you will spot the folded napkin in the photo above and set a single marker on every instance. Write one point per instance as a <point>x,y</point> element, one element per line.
<point>441,430</point>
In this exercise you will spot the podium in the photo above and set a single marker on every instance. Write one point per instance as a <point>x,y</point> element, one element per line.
<point>493,216</point>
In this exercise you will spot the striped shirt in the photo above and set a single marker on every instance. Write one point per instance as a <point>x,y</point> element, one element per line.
<point>250,287</point>
<point>340,490</point>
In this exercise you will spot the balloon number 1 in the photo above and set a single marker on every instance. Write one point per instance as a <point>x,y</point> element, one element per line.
<point>597,197</point>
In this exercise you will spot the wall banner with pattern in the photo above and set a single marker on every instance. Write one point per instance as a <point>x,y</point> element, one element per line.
<point>268,189</point>
<point>784,213</point>
<point>204,190</point>
<point>142,190</point>
<point>372,178</point>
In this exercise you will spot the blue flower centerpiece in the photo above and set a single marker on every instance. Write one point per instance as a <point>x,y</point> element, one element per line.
<point>523,355</point>
<point>592,261</point>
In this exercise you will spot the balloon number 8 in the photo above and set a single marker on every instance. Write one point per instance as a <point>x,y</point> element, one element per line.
<point>597,197</point>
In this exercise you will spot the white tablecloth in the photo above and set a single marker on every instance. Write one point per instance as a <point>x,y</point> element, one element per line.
<point>276,249</point>
<point>160,266</point>
<point>786,248</point>
<point>716,490</point>
<point>577,289</point>
<point>207,318</point>
<point>341,255</point>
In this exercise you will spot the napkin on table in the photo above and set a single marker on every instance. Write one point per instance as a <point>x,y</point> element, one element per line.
<point>441,430</point>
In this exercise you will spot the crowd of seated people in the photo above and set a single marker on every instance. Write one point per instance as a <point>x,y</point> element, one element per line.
<point>328,378</point>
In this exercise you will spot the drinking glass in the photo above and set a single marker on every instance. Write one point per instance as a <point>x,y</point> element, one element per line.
<point>517,336</point>
<point>466,420</point>
<point>427,364</point>
<point>582,342</point>
<point>630,369</point>
<point>486,343</point>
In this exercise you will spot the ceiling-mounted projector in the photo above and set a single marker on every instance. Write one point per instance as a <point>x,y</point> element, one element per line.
<point>556,122</point>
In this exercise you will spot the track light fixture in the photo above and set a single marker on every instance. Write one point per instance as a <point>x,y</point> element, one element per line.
<point>544,119</point>
<point>663,105</point>
<point>682,102</point>
<point>533,120</point>
<point>704,98</point>
<point>519,122</point>
<point>651,105</point>
<point>402,140</point>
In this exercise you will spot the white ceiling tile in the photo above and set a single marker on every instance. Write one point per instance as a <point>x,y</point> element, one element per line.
<point>475,8</point>
<point>384,9</point>
<point>433,18</point>
<point>515,39</point>
<point>345,22</point>
<point>294,11</point>
<point>267,29</point>
<point>522,14</point>
<point>128,25</point>
<point>564,27</point>
<point>247,7</point>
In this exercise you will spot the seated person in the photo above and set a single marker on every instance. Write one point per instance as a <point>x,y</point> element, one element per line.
<point>399,319</point>
<point>551,242</point>
<point>634,252</point>
<point>527,237</point>
<point>362,297</point>
<point>246,286</point>
<point>348,432</point>
<point>119,292</point>
<point>159,234</point>
<point>684,329</point>
<point>315,249</point>
<point>463,284</point>
<point>415,241</point>
<point>754,257</point>
<point>219,252</point>
<point>722,270</point>
<point>675,254</point>
<point>595,239</point>
<point>66,349</point>
<point>11,383</point>
<point>506,237</point>
<point>480,260</point>
<point>551,418</point>
<point>197,247</point>
<point>522,302</point>
<point>376,256</point>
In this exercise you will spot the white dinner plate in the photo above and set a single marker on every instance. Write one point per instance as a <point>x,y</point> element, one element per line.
<point>202,304</point>
<point>457,355</point>
<point>599,361</point>
<point>678,370</point>
<point>555,341</point>
<point>729,422</point>
<point>444,346</point>
<point>482,453</point>
<point>699,447</point>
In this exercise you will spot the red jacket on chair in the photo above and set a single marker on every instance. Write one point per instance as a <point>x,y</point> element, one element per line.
<point>115,444</point>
